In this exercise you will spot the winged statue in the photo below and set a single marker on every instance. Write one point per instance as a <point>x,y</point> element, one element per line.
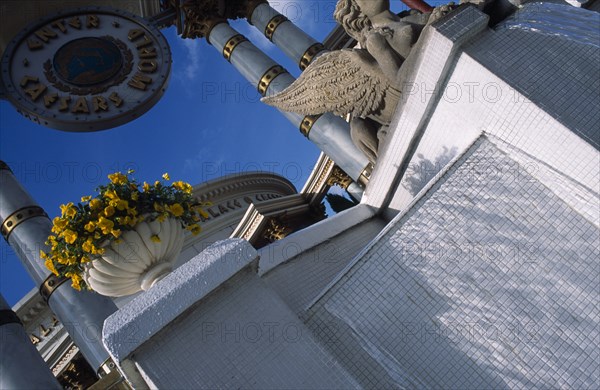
<point>342,82</point>
<point>363,81</point>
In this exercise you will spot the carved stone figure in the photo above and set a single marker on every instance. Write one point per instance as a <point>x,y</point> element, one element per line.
<point>361,82</point>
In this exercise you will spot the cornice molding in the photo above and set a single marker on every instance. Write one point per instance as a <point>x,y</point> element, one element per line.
<point>249,182</point>
<point>258,216</point>
<point>316,185</point>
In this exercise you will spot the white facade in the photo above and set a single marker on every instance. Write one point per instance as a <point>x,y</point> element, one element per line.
<point>472,261</point>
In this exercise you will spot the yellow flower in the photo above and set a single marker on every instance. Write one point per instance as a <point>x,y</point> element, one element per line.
<point>61,260</point>
<point>95,204</point>
<point>156,183</point>
<point>200,211</point>
<point>176,210</point>
<point>106,225</point>
<point>67,260</point>
<point>166,176</point>
<point>86,198</point>
<point>155,238</point>
<point>70,236</point>
<point>195,229</point>
<point>162,217</point>
<point>59,224</point>
<point>129,221</point>
<point>121,204</point>
<point>68,210</point>
<point>88,246</point>
<point>71,212</point>
<point>182,186</point>
<point>146,187</point>
<point>109,211</point>
<point>116,233</point>
<point>90,226</point>
<point>135,195</point>
<point>76,282</point>
<point>65,207</point>
<point>158,207</point>
<point>52,242</point>
<point>111,195</point>
<point>118,178</point>
<point>50,265</point>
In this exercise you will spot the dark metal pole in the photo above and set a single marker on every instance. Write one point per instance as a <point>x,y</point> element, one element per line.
<point>21,366</point>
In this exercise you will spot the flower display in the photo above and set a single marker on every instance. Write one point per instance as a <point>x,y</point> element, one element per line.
<point>84,229</point>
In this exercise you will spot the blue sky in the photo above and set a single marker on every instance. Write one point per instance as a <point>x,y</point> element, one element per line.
<point>209,123</point>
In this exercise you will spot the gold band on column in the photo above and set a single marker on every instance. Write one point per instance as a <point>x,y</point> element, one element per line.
<point>50,285</point>
<point>365,175</point>
<point>268,77</point>
<point>309,55</point>
<point>307,124</point>
<point>232,44</point>
<point>20,216</point>
<point>273,24</point>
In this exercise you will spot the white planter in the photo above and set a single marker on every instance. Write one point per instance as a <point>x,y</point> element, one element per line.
<point>137,262</point>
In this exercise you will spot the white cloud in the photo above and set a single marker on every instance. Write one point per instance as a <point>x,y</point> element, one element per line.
<point>193,63</point>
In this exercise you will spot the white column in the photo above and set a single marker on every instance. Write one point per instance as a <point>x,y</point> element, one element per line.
<point>21,366</point>
<point>26,227</point>
<point>330,133</point>
<point>295,43</point>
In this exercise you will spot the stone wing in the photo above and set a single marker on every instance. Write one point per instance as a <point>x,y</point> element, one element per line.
<point>341,82</point>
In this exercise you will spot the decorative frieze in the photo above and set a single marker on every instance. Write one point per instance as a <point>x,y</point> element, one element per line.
<point>339,177</point>
<point>276,230</point>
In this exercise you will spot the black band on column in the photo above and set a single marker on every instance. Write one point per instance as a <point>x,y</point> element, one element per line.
<point>9,317</point>
<point>4,166</point>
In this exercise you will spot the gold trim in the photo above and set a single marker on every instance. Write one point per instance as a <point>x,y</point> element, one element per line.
<point>106,367</point>
<point>365,175</point>
<point>310,54</point>
<point>232,44</point>
<point>276,230</point>
<point>307,124</point>
<point>4,166</point>
<point>20,216</point>
<point>339,177</point>
<point>268,77</point>
<point>50,285</point>
<point>273,24</point>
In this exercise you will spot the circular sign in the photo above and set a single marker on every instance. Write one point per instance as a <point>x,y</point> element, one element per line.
<point>87,69</point>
